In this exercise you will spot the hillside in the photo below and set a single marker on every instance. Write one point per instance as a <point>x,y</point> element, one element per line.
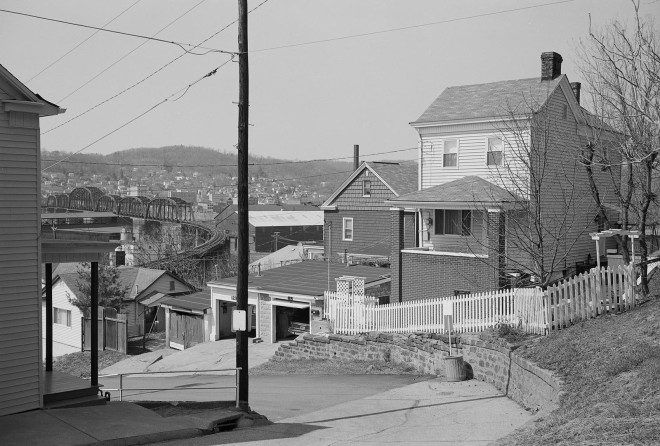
<point>220,166</point>
<point>611,367</point>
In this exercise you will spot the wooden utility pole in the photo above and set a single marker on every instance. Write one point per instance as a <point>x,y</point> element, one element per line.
<point>243,227</point>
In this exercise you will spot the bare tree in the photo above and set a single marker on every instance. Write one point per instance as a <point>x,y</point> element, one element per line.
<point>621,67</point>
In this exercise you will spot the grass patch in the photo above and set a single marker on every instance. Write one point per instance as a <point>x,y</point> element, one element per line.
<point>332,367</point>
<point>611,368</point>
<point>78,363</point>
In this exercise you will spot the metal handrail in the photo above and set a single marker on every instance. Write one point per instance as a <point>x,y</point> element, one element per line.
<point>122,375</point>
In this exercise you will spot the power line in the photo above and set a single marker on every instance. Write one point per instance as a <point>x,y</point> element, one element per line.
<point>128,54</point>
<point>278,163</point>
<point>112,31</point>
<point>145,78</point>
<point>83,41</point>
<point>185,89</point>
<point>403,28</point>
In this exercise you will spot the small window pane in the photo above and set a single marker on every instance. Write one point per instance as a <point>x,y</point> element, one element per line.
<point>466,228</point>
<point>366,188</point>
<point>348,229</point>
<point>452,222</point>
<point>494,155</point>
<point>450,153</point>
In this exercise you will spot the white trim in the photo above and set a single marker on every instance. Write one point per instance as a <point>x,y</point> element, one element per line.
<point>444,253</point>
<point>467,121</point>
<point>494,166</point>
<point>290,304</point>
<point>328,208</point>
<point>343,229</point>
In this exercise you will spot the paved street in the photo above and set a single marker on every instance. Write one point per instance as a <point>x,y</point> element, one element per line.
<point>341,413</point>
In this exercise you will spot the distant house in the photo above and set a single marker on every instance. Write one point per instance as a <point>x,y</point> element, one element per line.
<point>272,227</point>
<point>484,150</point>
<point>286,297</point>
<point>356,216</point>
<point>187,318</point>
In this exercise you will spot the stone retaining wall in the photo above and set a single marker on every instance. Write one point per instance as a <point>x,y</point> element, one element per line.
<point>522,381</point>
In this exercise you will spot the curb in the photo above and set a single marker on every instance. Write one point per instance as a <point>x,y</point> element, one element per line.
<point>156,437</point>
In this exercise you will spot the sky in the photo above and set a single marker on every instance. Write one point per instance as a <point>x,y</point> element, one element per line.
<point>307,100</point>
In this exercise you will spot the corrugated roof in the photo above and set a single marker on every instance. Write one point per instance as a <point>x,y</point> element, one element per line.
<point>285,218</point>
<point>402,177</point>
<point>494,99</point>
<point>469,189</point>
<point>309,278</point>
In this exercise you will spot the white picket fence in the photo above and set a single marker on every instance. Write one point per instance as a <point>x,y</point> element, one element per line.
<point>530,309</point>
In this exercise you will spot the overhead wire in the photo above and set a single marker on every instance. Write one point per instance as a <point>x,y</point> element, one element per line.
<point>82,41</point>
<point>211,73</point>
<point>145,78</point>
<point>123,33</point>
<point>403,28</point>
<point>131,52</point>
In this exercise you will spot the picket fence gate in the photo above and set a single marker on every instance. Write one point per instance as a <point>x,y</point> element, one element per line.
<point>530,309</point>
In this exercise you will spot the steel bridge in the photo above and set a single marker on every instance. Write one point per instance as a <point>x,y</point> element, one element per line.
<point>165,209</point>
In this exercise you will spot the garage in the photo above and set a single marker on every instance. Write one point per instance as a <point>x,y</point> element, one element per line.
<point>187,319</point>
<point>287,301</point>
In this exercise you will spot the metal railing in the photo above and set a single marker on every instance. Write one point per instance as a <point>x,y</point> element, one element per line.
<point>121,376</point>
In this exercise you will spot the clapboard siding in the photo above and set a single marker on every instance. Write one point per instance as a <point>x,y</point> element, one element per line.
<point>20,344</point>
<point>62,334</point>
<point>472,152</point>
<point>352,196</point>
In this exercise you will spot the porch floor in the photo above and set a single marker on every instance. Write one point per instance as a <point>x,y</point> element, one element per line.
<point>60,390</point>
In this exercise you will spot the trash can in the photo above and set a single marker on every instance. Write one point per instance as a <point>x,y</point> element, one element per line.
<point>454,368</point>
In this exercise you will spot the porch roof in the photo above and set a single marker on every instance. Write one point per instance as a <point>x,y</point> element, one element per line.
<point>469,191</point>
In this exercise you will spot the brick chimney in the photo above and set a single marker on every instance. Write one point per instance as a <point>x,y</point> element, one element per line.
<point>576,90</point>
<point>356,156</point>
<point>550,65</point>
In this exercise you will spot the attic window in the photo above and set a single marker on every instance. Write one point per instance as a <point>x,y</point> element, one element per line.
<point>366,188</point>
<point>564,111</point>
<point>171,285</point>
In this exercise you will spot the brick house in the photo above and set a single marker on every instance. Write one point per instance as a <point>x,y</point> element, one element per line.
<point>356,217</point>
<point>497,159</point>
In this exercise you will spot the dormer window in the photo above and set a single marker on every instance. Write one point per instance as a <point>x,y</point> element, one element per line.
<point>366,188</point>
<point>494,154</point>
<point>450,153</point>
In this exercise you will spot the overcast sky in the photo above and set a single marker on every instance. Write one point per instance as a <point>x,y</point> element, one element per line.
<point>307,101</point>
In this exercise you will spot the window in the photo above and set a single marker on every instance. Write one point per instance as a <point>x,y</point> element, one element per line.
<point>494,154</point>
<point>171,285</point>
<point>366,188</point>
<point>450,153</point>
<point>348,229</point>
<point>453,222</point>
<point>62,317</point>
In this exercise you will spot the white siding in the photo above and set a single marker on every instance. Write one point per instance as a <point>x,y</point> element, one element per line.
<point>71,336</point>
<point>472,149</point>
<point>20,340</point>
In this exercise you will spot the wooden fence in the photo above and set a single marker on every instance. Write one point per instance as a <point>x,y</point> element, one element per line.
<point>113,331</point>
<point>589,295</point>
<point>530,309</point>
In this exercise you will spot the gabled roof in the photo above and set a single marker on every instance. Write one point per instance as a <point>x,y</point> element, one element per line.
<point>469,190</point>
<point>25,99</point>
<point>492,100</point>
<point>309,278</point>
<point>400,178</point>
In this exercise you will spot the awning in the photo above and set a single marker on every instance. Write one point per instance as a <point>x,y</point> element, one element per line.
<point>153,300</point>
<point>289,303</point>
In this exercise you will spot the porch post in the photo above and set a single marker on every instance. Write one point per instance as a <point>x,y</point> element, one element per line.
<point>94,314</point>
<point>397,243</point>
<point>49,317</point>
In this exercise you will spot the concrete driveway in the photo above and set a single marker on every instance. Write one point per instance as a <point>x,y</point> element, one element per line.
<point>426,412</point>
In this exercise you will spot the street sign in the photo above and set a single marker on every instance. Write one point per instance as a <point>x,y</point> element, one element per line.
<point>238,320</point>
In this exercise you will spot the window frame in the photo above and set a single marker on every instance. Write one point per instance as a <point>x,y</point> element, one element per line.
<point>488,151</point>
<point>57,320</point>
<point>366,188</point>
<point>444,153</point>
<point>344,228</point>
<point>440,223</point>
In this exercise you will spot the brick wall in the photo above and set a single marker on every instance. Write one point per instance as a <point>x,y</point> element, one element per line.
<point>265,310</point>
<point>425,276</point>
<point>522,381</point>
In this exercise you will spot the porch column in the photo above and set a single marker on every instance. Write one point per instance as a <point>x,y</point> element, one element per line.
<point>397,244</point>
<point>496,246</point>
<point>49,317</point>
<point>94,314</point>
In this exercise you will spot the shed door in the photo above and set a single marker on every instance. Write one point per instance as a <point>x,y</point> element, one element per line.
<point>186,329</point>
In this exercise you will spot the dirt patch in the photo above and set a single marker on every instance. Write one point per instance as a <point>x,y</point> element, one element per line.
<point>176,408</point>
<point>611,368</point>
<point>332,367</point>
<point>79,363</point>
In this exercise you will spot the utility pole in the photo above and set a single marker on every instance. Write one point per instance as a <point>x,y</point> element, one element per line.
<point>243,228</point>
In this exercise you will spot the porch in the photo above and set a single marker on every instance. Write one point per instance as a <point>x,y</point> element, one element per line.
<point>63,390</point>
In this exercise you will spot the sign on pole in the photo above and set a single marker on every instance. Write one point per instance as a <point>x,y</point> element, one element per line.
<point>238,320</point>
